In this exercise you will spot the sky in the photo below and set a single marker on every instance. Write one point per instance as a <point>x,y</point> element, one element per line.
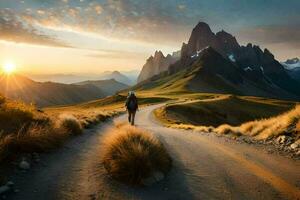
<point>92,36</point>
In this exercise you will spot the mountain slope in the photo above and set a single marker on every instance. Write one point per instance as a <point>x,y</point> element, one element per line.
<point>109,87</point>
<point>210,72</point>
<point>246,69</point>
<point>295,73</point>
<point>48,93</point>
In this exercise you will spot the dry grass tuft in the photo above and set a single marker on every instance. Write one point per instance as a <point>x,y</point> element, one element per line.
<point>71,124</point>
<point>36,138</point>
<point>24,129</point>
<point>15,115</point>
<point>132,155</point>
<point>287,123</point>
<point>226,129</point>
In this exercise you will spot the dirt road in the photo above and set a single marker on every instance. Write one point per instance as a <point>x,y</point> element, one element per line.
<point>205,167</point>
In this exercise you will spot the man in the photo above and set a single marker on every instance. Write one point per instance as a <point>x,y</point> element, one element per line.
<point>131,106</point>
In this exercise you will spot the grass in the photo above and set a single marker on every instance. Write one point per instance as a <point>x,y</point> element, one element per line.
<point>15,115</point>
<point>132,155</point>
<point>260,118</point>
<point>226,109</point>
<point>25,129</point>
<point>71,124</point>
<point>284,124</point>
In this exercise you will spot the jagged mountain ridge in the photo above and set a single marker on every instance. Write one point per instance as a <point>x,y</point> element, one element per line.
<point>257,66</point>
<point>212,73</point>
<point>157,64</point>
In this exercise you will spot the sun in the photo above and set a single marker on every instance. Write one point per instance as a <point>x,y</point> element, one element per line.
<point>9,68</point>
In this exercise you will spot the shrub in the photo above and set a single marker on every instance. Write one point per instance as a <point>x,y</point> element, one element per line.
<point>226,129</point>
<point>71,124</point>
<point>132,155</point>
<point>36,138</point>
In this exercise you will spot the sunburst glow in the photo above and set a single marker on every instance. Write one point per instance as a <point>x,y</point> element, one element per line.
<point>9,68</point>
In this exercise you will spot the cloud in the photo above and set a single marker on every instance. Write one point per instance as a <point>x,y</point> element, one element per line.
<point>115,54</point>
<point>13,29</point>
<point>274,34</point>
<point>98,9</point>
<point>181,7</point>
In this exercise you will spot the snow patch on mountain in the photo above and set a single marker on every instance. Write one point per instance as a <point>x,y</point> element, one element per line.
<point>291,63</point>
<point>232,58</point>
<point>248,69</point>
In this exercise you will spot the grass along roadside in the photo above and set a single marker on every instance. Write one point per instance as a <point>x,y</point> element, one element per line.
<point>26,129</point>
<point>258,119</point>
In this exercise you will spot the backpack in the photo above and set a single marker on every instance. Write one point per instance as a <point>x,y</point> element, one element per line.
<point>132,103</point>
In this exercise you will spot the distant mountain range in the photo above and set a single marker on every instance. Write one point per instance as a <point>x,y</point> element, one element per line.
<point>216,62</point>
<point>291,63</point>
<point>126,77</point>
<point>108,87</point>
<point>293,68</point>
<point>52,94</point>
<point>117,76</point>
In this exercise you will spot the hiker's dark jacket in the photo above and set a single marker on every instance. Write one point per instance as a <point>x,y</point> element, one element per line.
<point>131,103</point>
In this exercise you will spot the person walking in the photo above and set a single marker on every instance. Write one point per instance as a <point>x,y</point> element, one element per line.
<point>131,106</point>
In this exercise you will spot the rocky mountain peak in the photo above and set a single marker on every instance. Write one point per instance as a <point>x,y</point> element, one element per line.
<point>158,55</point>
<point>268,55</point>
<point>202,28</point>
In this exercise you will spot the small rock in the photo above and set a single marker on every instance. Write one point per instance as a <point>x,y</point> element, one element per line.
<point>24,165</point>
<point>281,139</point>
<point>294,146</point>
<point>4,189</point>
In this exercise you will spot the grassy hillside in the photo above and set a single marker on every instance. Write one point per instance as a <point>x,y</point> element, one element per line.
<point>48,93</point>
<point>231,110</point>
<point>253,116</point>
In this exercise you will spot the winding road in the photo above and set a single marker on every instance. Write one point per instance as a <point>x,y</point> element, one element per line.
<point>205,167</point>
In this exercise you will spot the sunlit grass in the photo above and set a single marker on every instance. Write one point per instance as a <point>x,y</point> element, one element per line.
<point>259,117</point>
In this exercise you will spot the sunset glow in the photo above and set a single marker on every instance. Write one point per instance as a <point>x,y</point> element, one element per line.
<point>9,68</point>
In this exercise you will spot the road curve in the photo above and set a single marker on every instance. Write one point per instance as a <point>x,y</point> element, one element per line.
<point>205,167</point>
